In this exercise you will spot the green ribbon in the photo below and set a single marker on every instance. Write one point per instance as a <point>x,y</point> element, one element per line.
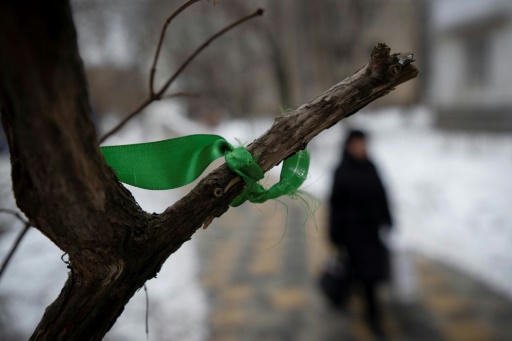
<point>176,162</point>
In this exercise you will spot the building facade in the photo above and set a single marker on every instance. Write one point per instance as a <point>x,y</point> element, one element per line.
<point>470,78</point>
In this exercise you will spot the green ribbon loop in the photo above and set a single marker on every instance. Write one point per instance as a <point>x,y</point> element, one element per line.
<point>176,162</point>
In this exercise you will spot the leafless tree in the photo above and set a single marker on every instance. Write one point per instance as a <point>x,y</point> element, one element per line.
<point>65,189</point>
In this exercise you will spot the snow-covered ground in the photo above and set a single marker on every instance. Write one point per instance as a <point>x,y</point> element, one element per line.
<point>451,193</point>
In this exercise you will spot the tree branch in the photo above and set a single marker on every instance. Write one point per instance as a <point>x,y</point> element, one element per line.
<point>160,94</point>
<point>65,189</point>
<point>381,75</point>
<point>125,120</point>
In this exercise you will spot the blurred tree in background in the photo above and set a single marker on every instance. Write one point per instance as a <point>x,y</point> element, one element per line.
<point>296,50</point>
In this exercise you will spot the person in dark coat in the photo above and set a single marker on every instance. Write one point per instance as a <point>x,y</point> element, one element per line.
<point>359,210</point>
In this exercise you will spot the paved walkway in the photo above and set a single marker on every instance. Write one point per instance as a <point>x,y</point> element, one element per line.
<point>261,284</point>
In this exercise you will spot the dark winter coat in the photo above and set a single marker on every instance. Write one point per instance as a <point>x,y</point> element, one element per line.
<point>359,208</point>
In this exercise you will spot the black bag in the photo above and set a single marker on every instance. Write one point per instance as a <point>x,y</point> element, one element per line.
<point>334,281</point>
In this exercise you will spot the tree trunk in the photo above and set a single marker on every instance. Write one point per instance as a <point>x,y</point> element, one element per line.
<point>64,187</point>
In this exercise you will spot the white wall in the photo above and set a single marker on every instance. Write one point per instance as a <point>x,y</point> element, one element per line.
<point>449,80</point>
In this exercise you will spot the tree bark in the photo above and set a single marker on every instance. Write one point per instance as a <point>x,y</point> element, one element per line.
<point>66,190</point>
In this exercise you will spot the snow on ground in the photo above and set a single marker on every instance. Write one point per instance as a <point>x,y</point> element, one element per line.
<point>451,192</point>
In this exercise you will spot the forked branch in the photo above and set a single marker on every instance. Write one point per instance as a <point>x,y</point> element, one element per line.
<point>160,93</point>
<point>160,43</point>
<point>166,85</point>
<point>290,132</point>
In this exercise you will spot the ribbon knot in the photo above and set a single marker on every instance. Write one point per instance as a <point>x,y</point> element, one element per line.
<point>293,173</point>
<point>241,162</point>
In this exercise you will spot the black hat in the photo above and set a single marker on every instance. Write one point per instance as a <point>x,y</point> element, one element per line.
<point>355,133</point>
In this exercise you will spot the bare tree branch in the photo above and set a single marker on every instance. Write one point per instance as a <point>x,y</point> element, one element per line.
<point>18,239</point>
<point>160,94</point>
<point>65,189</point>
<point>381,75</point>
<point>160,43</point>
<point>166,85</point>
<point>125,120</point>
<point>14,213</point>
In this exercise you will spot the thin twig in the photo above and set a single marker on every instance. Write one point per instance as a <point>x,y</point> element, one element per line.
<point>13,213</point>
<point>160,94</point>
<point>134,113</point>
<point>259,12</point>
<point>147,311</point>
<point>141,107</point>
<point>160,42</point>
<point>18,239</point>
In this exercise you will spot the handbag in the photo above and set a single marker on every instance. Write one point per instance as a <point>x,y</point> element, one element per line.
<point>334,281</point>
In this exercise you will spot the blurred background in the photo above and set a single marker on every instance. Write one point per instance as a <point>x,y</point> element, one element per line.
<point>442,144</point>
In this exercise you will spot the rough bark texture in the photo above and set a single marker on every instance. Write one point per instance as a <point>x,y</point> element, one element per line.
<point>64,187</point>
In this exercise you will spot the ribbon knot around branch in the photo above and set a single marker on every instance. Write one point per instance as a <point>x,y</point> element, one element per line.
<point>176,162</point>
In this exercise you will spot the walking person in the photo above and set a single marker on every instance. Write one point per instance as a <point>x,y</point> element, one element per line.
<point>358,211</point>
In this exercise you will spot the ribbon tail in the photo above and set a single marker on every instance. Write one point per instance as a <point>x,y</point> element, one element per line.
<point>165,164</point>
